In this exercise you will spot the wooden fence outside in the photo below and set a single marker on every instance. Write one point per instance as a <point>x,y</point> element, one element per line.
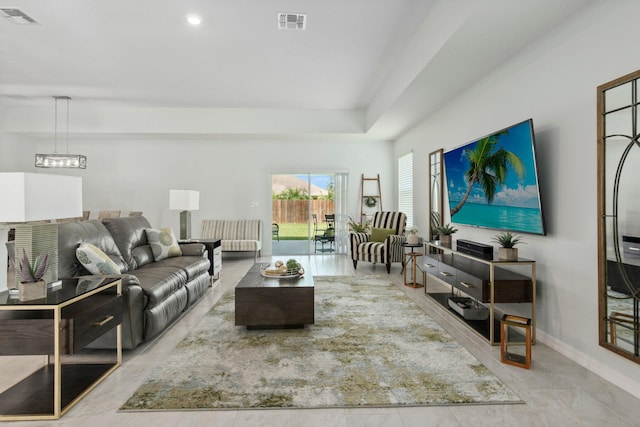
<point>297,211</point>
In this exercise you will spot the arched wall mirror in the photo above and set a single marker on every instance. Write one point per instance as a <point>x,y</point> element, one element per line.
<point>435,192</point>
<point>619,215</point>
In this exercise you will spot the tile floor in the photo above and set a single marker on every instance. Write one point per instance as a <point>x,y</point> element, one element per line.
<point>557,391</point>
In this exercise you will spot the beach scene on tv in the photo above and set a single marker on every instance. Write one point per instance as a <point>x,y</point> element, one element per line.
<point>493,182</point>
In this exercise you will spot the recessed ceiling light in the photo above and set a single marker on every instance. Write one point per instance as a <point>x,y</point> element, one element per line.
<point>194,19</point>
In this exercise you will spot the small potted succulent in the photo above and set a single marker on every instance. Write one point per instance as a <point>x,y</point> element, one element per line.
<point>412,236</point>
<point>445,232</point>
<point>507,241</point>
<point>32,285</point>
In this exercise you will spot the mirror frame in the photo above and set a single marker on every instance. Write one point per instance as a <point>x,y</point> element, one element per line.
<point>436,170</point>
<point>603,322</point>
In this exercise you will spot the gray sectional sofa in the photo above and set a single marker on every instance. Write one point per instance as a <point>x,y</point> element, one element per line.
<point>155,293</point>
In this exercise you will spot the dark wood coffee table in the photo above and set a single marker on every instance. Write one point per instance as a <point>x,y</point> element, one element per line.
<point>270,303</point>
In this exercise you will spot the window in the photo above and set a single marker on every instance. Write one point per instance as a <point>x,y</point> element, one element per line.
<point>405,186</point>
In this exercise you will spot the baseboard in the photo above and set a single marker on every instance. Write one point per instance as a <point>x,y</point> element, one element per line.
<point>597,367</point>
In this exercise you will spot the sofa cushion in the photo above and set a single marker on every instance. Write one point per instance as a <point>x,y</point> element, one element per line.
<point>157,318</point>
<point>142,255</point>
<point>72,234</point>
<point>380,234</point>
<point>95,261</point>
<point>240,245</point>
<point>240,229</point>
<point>194,266</point>
<point>196,288</point>
<point>163,243</point>
<point>193,249</point>
<point>159,281</point>
<point>128,233</point>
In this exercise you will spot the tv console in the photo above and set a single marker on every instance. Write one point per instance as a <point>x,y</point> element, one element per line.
<point>488,282</point>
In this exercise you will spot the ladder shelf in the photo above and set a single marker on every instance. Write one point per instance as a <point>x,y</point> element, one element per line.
<point>370,197</point>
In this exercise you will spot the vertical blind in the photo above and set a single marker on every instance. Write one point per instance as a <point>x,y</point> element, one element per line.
<point>405,186</point>
<point>340,206</point>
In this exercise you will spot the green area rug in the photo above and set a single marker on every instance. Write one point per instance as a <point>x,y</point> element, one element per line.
<point>371,345</point>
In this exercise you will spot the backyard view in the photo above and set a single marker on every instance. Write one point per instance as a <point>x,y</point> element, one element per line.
<point>300,204</point>
<point>294,231</point>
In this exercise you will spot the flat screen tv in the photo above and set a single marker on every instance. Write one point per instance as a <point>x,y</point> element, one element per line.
<point>493,182</point>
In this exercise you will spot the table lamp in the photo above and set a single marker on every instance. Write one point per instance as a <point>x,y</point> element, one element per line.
<point>184,201</point>
<point>33,197</point>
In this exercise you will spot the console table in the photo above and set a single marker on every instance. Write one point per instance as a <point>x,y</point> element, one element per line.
<point>489,282</point>
<point>60,327</point>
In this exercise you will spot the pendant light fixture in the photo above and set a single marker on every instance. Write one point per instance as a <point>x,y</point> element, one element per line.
<point>77,161</point>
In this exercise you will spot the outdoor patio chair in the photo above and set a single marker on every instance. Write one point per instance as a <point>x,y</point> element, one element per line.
<point>275,231</point>
<point>330,219</point>
<point>326,237</point>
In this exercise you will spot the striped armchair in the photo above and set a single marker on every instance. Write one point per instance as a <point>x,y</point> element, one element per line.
<point>362,249</point>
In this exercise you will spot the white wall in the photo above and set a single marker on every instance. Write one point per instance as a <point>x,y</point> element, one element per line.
<point>554,82</point>
<point>16,155</point>
<point>231,173</point>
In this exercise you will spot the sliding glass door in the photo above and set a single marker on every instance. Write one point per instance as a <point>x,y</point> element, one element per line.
<point>305,220</point>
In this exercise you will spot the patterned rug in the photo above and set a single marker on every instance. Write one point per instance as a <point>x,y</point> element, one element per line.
<point>371,345</point>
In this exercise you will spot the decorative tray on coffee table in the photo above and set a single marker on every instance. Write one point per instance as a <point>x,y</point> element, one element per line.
<point>273,273</point>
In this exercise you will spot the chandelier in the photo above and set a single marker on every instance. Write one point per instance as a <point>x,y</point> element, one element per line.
<point>56,160</point>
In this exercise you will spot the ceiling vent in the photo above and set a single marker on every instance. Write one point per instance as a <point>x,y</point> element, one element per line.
<point>17,16</point>
<point>292,21</point>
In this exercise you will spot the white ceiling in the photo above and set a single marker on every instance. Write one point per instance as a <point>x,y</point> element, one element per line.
<point>394,60</point>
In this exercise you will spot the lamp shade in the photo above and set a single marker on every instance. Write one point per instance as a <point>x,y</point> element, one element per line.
<point>184,200</point>
<point>36,196</point>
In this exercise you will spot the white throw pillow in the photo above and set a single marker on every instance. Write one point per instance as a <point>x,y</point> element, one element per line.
<point>95,260</point>
<point>163,243</point>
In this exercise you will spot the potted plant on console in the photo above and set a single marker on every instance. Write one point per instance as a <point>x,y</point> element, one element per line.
<point>32,286</point>
<point>445,232</point>
<point>507,241</point>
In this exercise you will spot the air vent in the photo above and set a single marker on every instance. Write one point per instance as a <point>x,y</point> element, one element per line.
<point>17,16</point>
<point>292,21</point>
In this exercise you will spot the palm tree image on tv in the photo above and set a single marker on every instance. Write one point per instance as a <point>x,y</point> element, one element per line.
<point>492,182</point>
<point>488,167</point>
